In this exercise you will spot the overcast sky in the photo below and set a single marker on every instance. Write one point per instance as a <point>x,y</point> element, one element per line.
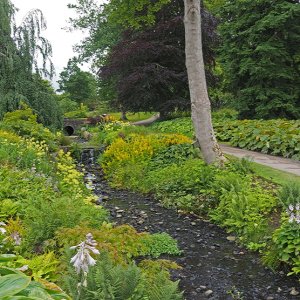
<point>56,14</point>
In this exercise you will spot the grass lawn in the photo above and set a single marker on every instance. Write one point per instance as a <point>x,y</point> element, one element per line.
<point>134,117</point>
<point>274,175</point>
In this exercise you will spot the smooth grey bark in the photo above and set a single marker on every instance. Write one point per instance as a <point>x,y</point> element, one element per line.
<point>200,103</point>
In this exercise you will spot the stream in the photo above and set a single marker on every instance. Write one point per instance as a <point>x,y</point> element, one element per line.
<point>213,266</point>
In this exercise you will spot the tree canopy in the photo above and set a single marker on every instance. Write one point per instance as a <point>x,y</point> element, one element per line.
<point>80,85</point>
<point>24,58</point>
<point>261,56</point>
<point>144,68</point>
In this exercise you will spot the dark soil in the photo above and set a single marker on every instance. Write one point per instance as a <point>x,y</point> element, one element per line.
<point>209,261</point>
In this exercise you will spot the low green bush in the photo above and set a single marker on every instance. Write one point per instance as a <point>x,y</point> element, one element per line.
<point>276,137</point>
<point>81,112</point>
<point>181,126</point>
<point>107,280</point>
<point>286,238</point>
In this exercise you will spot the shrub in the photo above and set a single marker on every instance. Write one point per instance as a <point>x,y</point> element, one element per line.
<point>135,150</point>
<point>286,241</point>
<point>24,123</point>
<point>106,280</point>
<point>277,137</point>
<point>121,242</point>
<point>81,112</point>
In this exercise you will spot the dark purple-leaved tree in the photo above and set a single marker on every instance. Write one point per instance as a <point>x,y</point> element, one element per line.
<point>148,64</point>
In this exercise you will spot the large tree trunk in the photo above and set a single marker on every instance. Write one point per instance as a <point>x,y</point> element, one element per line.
<point>201,109</point>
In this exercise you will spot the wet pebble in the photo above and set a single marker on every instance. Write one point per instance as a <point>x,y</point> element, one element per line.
<point>294,292</point>
<point>208,293</point>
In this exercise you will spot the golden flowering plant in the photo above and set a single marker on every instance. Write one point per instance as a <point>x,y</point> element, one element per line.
<point>70,178</point>
<point>135,150</point>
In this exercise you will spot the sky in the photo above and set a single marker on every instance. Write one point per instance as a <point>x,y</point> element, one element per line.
<point>56,14</point>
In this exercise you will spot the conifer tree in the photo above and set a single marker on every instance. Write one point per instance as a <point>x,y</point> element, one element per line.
<point>261,56</point>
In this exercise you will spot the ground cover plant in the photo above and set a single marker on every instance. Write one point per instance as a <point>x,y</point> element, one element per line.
<point>234,197</point>
<point>45,208</point>
<point>277,137</point>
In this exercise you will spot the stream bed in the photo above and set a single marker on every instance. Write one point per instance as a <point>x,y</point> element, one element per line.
<point>213,266</point>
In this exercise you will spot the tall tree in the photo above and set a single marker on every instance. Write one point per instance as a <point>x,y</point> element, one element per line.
<point>148,63</point>
<point>80,85</point>
<point>138,13</point>
<point>22,49</point>
<point>261,56</point>
<point>200,103</point>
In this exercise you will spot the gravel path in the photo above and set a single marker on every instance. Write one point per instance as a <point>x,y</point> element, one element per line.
<point>275,162</point>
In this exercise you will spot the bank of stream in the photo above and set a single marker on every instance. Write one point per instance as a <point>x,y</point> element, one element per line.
<point>213,266</point>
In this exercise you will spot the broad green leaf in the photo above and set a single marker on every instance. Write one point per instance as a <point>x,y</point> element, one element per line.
<point>12,284</point>
<point>7,257</point>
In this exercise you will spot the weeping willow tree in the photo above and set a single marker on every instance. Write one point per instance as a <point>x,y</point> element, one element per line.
<point>24,59</point>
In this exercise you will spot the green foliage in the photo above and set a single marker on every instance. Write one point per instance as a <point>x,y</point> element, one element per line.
<point>16,285</point>
<point>23,50</point>
<point>121,242</point>
<point>289,194</point>
<point>107,280</point>
<point>24,122</point>
<point>190,177</point>
<point>286,241</point>
<point>66,104</point>
<point>135,149</point>
<point>243,209</point>
<point>224,114</point>
<point>242,166</point>
<point>163,266</point>
<point>134,13</point>
<point>232,197</point>
<point>181,125</point>
<point>44,217</point>
<point>12,284</point>
<point>45,206</point>
<point>8,209</point>
<point>161,243</point>
<point>277,137</point>
<point>260,56</point>
<point>175,154</point>
<point>81,112</point>
<point>80,86</point>
<point>42,266</point>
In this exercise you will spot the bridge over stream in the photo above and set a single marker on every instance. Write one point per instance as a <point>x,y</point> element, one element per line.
<point>73,126</point>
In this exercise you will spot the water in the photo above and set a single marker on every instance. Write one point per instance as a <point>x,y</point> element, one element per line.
<point>209,261</point>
